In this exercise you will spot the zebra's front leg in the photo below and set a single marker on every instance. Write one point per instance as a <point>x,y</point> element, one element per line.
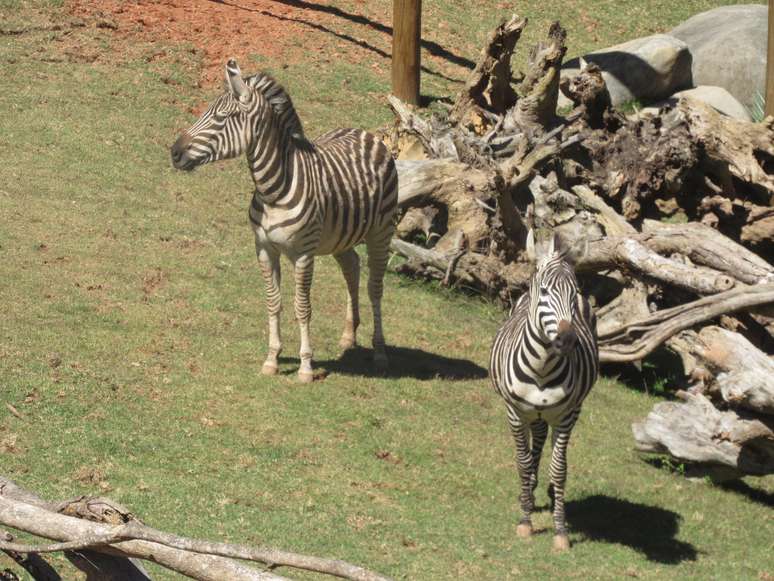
<point>539,432</point>
<point>561,437</point>
<point>304,269</point>
<point>349,262</point>
<point>524,464</point>
<point>269,262</point>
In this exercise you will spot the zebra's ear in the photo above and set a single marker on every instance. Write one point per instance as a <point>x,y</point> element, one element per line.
<point>552,244</point>
<point>529,246</point>
<point>235,82</point>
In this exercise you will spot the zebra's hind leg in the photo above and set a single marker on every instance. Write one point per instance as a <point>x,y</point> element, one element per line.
<point>561,437</point>
<point>304,269</point>
<point>270,268</point>
<point>524,464</point>
<point>349,262</point>
<point>378,243</point>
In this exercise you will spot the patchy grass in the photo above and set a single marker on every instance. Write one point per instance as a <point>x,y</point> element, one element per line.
<point>134,328</point>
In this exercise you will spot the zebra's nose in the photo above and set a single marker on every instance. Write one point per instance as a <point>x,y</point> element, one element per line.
<point>180,147</point>
<point>565,336</point>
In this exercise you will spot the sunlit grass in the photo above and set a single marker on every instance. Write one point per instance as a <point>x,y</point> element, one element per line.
<point>133,330</point>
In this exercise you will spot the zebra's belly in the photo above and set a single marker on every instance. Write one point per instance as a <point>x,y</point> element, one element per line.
<point>291,239</point>
<point>534,401</point>
<point>333,244</point>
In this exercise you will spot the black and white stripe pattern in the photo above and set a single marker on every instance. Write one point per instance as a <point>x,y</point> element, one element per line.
<point>311,198</point>
<point>543,363</point>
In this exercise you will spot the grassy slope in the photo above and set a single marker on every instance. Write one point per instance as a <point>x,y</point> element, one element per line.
<point>133,330</point>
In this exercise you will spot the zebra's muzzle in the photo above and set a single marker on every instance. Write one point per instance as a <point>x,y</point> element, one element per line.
<point>180,153</point>
<point>566,338</point>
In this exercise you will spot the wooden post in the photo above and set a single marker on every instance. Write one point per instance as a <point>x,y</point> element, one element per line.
<point>406,34</point>
<point>770,64</point>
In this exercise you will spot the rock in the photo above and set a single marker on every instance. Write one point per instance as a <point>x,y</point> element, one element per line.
<point>728,46</point>
<point>716,97</point>
<point>647,69</point>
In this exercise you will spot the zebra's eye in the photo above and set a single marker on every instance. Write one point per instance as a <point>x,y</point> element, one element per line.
<point>543,291</point>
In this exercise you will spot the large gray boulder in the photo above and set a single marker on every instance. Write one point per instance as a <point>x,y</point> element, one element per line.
<point>647,69</point>
<point>728,46</point>
<point>716,97</point>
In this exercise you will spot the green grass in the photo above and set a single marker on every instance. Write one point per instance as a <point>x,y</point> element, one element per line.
<point>133,330</point>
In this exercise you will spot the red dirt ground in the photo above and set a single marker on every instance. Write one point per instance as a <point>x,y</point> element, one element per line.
<point>220,29</point>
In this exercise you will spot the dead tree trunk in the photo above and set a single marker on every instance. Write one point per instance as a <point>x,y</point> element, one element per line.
<point>728,367</point>
<point>489,86</point>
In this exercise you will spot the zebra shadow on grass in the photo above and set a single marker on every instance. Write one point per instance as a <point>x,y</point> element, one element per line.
<point>404,362</point>
<point>649,530</point>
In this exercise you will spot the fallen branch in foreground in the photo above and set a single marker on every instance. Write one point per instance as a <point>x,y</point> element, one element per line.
<point>127,537</point>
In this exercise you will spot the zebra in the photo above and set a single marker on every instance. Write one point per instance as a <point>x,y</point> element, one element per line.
<point>311,198</point>
<point>544,361</point>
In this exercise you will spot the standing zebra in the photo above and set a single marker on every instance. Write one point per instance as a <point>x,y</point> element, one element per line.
<point>311,198</point>
<point>544,362</point>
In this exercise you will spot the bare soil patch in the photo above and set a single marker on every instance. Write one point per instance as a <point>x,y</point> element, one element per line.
<point>220,30</point>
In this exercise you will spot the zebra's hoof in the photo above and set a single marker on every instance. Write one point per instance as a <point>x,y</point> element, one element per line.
<point>524,530</point>
<point>269,369</point>
<point>561,543</point>
<point>305,376</point>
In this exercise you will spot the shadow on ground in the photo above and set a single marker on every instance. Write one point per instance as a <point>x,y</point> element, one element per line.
<point>649,530</point>
<point>740,487</point>
<point>660,373</point>
<point>404,362</point>
<point>432,47</point>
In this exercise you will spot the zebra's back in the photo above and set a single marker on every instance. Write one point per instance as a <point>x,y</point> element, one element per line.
<point>346,187</point>
<point>359,190</point>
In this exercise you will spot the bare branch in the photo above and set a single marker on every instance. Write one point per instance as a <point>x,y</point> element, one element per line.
<point>136,539</point>
<point>636,340</point>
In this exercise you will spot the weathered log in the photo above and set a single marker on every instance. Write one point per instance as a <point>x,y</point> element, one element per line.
<point>733,148</point>
<point>634,256</point>
<point>724,444</point>
<point>486,274</point>
<point>489,85</point>
<point>626,252</point>
<point>630,305</point>
<point>751,223</point>
<point>538,92</point>
<point>127,537</point>
<point>463,193</point>
<point>637,339</point>
<point>706,246</point>
<point>435,137</point>
<point>588,91</point>
<point>95,565</point>
<point>641,161</point>
<point>44,523</point>
<point>440,179</point>
<point>728,366</point>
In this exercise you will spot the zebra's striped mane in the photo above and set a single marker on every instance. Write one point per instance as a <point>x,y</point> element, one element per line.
<point>280,101</point>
